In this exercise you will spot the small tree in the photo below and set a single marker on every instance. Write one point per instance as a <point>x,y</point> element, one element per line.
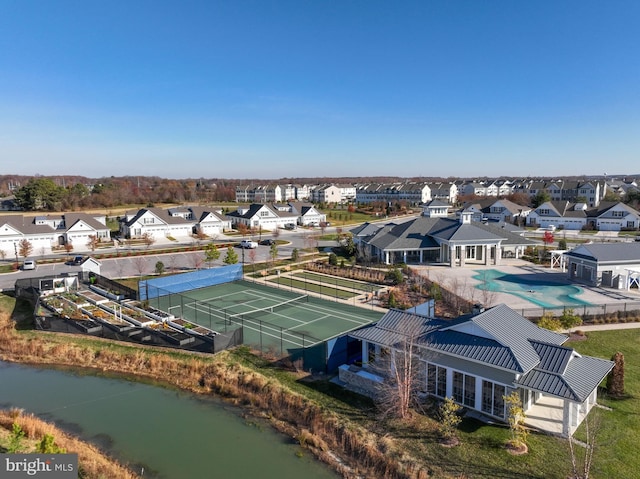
<point>401,370</point>
<point>562,244</point>
<point>569,319</point>
<point>295,255</point>
<point>395,275</point>
<point>273,252</point>
<point>148,239</point>
<point>48,446</point>
<point>93,242</point>
<point>615,379</point>
<point>68,247</point>
<point>581,463</point>
<point>231,257</point>
<point>140,263</point>
<point>25,248</point>
<point>449,420</point>
<point>516,418</point>
<point>211,253</point>
<point>15,439</point>
<point>333,259</point>
<point>159,267</point>
<point>550,322</point>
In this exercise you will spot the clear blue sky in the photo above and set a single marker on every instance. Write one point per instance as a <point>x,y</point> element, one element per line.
<point>272,89</point>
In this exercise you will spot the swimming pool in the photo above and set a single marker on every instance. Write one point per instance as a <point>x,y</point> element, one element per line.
<point>543,293</point>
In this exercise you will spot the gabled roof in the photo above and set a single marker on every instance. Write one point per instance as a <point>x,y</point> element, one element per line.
<point>605,207</point>
<point>71,219</point>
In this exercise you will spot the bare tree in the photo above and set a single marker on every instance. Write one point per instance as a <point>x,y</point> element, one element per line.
<point>581,463</point>
<point>172,262</point>
<point>93,242</point>
<point>68,247</point>
<point>196,260</point>
<point>140,264</point>
<point>403,370</point>
<point>148,239</point>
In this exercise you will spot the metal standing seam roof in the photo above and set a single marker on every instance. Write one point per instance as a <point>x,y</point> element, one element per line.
<point>608,252</point>
<point>583,374</point>
<point>553,369</point>
<point>512,331</point>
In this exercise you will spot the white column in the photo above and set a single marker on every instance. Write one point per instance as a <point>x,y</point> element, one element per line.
<point>478,403</point>
<point>449,382</point>
<point>365,354</point>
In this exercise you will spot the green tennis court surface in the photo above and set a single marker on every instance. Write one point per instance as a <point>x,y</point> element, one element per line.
<point>271,318</point>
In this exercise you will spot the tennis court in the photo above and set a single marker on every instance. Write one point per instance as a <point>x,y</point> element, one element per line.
<point>270,318</point>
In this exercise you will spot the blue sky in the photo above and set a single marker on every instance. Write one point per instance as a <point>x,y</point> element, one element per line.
<point>274,89</point>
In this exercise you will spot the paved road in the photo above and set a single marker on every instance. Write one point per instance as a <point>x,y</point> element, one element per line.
<point>129,265</point>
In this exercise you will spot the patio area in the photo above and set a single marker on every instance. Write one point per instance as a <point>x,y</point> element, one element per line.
<point>546,415</point>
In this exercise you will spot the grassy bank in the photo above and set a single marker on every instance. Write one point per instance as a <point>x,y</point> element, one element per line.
<point>337,426</point>
<point>91,461</point>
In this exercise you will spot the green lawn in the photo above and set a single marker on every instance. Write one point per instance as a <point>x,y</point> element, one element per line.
<point>620,436</point>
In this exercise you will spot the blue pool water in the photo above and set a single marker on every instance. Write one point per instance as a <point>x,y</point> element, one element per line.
<point>546,294</point>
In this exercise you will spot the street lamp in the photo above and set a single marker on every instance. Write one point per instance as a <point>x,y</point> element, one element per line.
<point>15,247</point>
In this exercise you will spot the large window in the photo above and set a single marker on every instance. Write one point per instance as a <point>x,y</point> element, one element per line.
<point>493,398</point>
<point>464,389</point>
<point>436,380</point>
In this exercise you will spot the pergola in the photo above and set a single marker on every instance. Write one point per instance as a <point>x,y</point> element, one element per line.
<point>633,277</point>
<point>558,259</point>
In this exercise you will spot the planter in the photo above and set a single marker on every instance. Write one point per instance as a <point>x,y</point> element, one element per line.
<point>107,294</point>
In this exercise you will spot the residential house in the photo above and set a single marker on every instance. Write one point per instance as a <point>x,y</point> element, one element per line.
<point>262,217</point>
<point>499,210</point>
<point>327,194</point>
<point>156,222</point>
<point>479,359</point>
<point>208,221</point>
<point>559,214</point>
<point>613,216</point>
<point>607,216</point>
<point>307,214</point>
<point>47,232</point>
<point>444,191</point>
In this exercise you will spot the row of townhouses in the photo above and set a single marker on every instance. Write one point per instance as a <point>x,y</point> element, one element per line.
<point>587,192</point>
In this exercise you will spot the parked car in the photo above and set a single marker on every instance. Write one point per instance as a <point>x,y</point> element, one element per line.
<point>268,242</point>
<point>290,226</point>
<point>248,244</point>
<point>28,264</point>
<point>76,260</point>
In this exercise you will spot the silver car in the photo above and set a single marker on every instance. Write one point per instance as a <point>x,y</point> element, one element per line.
<point>28,264</point>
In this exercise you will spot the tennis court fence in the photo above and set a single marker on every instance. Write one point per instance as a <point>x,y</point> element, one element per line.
<point>272,340</point>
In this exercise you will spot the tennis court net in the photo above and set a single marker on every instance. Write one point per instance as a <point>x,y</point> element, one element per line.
<point>268,309</point>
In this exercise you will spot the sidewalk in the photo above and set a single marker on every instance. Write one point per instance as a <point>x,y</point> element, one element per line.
<point>603,327</point>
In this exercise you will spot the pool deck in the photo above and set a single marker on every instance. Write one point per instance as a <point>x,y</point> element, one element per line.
<point>463,278</point>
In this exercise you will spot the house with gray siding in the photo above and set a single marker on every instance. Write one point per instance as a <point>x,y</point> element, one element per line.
<point>479,359</point>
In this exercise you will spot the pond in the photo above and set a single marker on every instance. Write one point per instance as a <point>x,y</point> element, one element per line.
<point>163,432</point>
